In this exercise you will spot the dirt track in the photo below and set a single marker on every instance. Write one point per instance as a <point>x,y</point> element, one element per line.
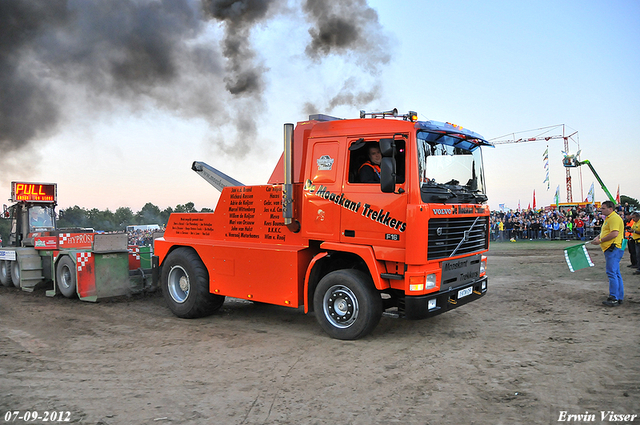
<point>537,344</point>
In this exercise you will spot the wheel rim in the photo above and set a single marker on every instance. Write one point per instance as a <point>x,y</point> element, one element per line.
<point>65,277</point>
<point>178,284</point>
<point>340,306</point>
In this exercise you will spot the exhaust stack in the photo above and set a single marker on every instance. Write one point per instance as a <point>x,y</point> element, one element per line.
<point>287,189</point>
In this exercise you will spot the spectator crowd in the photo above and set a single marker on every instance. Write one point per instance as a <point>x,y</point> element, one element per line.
<point>575,223</point>
<point>142,237</point>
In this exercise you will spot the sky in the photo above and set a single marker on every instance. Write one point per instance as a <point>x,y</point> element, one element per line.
<point>113,101</point>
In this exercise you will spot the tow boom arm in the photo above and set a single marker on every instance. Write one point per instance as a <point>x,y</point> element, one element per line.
<point>215,178</point>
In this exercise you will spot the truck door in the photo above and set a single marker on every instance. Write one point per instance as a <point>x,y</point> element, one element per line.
<point>380,218</point>
<point>324,173</point>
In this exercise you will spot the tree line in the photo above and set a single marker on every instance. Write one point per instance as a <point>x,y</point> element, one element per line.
<point>122,217</point>
<point>110,221</point>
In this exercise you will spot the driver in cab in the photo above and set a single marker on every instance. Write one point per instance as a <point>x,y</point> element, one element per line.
<point>369,172</point>
<point>39,218</point>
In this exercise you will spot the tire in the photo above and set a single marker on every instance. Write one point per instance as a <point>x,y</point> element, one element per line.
<point>5,273</point>
<point>347,305</point>
<point>185,285</point>
<point>15,273</point>
<point>66,277</point>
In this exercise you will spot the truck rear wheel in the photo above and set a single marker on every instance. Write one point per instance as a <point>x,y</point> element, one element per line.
<point>185,285</point>
<point>347,305</point>
<point>15,273</point>
<point>66,276</point>
<point>5,273</point>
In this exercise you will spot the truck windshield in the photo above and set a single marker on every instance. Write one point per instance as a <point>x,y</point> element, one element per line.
<point>40,218</point>
<point>450,170</point>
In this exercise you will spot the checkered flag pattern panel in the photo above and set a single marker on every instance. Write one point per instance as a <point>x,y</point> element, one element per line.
<point>82,258</point>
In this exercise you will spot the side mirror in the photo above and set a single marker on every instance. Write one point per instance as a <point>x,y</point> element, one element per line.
<point>388,148</point>
<point>388,174</point>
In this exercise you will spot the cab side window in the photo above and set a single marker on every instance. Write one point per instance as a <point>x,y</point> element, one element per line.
<point>359,157</point>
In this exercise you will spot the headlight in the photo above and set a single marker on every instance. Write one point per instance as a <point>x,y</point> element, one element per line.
<point>483,266</point>
<point>419,283</point>
<point>431,281</point>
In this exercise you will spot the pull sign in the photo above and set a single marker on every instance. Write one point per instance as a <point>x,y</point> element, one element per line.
<point>33,192</point>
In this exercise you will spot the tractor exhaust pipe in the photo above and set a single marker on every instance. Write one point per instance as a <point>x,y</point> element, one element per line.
<point>287,189</point>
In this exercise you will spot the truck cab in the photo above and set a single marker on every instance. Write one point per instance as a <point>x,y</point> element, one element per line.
<point>29,220</point>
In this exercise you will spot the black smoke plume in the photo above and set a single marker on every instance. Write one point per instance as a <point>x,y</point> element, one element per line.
<point>243,77</point>
<point>27,106</point>
<point>348,27</point>
<point>158,53</point>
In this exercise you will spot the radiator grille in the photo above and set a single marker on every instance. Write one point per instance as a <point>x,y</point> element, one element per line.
<point>446,234</point>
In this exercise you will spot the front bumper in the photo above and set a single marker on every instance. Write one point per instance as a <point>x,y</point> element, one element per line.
<point>417,307</point>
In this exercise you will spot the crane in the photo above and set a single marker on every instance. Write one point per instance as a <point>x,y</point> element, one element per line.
<point>543,137</point>
<point>572,161</point>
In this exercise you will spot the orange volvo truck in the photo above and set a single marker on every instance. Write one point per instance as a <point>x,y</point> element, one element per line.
<point>408,245</point>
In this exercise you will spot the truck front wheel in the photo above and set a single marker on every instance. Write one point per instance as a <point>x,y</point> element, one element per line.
<point>347,305</point>
<point>185,285</point>
<point>5,273</point>
<point>66,276</point>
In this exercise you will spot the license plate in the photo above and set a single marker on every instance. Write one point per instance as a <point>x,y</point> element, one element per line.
<point>464,292</point>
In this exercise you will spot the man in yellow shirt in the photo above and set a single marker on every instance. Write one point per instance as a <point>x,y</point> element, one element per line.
<point>610,241</point>
<point>635,235</point>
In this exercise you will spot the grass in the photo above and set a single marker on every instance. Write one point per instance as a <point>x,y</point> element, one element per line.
<point>533,245</point>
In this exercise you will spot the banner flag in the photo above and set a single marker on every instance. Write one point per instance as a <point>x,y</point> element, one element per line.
<point>556,197</point>
<point>534,199</point>
<point>577,257</point>
<point>618,195</point>
<point>591,194</point>
<point>546,180</point>
<point>546,167</point>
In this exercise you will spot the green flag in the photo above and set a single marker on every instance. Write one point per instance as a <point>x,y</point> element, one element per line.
<point>577,257</point>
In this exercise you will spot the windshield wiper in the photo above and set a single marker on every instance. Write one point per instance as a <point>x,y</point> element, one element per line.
<point>437,189</point>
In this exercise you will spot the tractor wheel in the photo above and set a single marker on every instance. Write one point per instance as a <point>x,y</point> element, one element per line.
<point>347,305</point>
<point>15,273</point>
<point>185,285</point>
<point>66,276</point>
<point>5,273</point>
